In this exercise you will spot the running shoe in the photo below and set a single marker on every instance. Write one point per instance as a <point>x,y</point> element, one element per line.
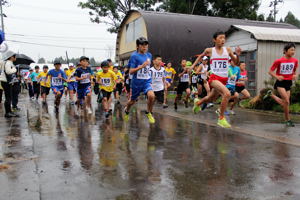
<point>268,94</point>
<point>204,106</point>
<point>151,118</point>
<point>89,110</point>
<point>289,123</point>
<point>223,123</point>
<point>218,112</point>
<point>231,112</point>
<point>196,108</point>
<point>209,105</point>
<point>126,116</point>
<point>72,103</point>
<point>165,105</point>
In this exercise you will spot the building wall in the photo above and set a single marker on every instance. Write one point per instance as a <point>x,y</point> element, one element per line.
<point>242,39</point>
<point>124,46</point>
<point>268,52</point>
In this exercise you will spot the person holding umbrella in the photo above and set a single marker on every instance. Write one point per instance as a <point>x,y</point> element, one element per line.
<point>8,70</point>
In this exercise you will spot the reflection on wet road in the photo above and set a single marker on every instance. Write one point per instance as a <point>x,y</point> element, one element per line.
<point>66,156</point>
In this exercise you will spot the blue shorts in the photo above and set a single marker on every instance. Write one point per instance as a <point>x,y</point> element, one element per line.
<point>58,89</point>
<point>169,80</point>
<point>83,92</point>
<point>137,89</point>
<point>72,86</point>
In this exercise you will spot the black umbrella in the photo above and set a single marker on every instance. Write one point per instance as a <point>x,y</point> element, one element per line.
<point>23,59</point>
<point>23,67</point>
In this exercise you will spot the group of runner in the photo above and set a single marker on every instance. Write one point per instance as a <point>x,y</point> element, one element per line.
<point>204,82</point>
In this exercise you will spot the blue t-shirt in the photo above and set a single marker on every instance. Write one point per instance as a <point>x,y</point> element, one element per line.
<point>233,71</point>
<point>80,72</point>
<point>56,78</point>
<point>33,76</point>
<point>143,75</point>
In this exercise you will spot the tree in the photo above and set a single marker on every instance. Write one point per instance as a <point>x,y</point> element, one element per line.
<point>240,9</point>
<point>41,60</point>
<point>291,19</point>
<point>261,17</point>
<point>112,12</point>
<point>270,18</point>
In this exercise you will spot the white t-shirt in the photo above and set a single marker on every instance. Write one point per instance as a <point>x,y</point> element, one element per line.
<point>157,78</point>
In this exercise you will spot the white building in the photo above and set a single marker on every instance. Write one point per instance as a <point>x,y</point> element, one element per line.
<point>261,47</point>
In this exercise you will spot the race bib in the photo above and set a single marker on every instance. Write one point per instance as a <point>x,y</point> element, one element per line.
<point>168,74</point>
<point>232,81</point>
<point>143,73</point>
<point>72,77</point>
<point>220,67</point>
<point>185,78</point>
<point>56,81</point>
<point>86,80</point>
<point>43,79</point>
<point>287,68</point>
<point>106,82</point>
<point>158,75</point>
<point>194,79</point>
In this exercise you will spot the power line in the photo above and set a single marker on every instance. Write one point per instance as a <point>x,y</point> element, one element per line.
<point>54,36</point>
<point>274,5</point>
<point>53,45</point>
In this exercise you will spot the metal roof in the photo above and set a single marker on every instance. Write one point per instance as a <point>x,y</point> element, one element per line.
<point>175,36</point>
<point>271,33</point>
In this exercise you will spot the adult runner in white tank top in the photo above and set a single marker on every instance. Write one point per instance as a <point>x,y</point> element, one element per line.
<point>219,56</point>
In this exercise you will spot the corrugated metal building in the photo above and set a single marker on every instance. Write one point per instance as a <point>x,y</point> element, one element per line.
<point>175,36</point>
<point>261,47</point>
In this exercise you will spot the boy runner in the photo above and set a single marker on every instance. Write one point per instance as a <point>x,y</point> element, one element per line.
<point>36,85</point>
<point>285,68</point>
<point>72,84</point>
<point>83,76</point>
<point>139,64</point>
<point>240,85</point>
<point>184,82</point>
<point>107,82</point>
<point>45,83</point>
<point>57,77</point>
<point>119,86</point>
<point>219,57</point>
<point>158,80</point>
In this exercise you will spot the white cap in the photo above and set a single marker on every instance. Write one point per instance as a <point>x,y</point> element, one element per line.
<point>8,54</point>
<point>205,58</point>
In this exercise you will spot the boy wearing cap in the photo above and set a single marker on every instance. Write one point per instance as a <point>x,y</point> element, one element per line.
<point>45,84</point>
<point>139,64</point>
<point>57,77</point>
<point>83,76</point>
<point>72,84</point>
<point>107,83</point>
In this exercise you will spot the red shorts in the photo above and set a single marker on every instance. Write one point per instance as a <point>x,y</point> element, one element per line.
<point>214,77</point>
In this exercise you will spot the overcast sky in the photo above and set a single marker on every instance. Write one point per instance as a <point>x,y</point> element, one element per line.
<point>63,23</point>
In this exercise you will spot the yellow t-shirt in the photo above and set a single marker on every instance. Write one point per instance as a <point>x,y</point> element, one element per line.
<point>169,72</point>
<point>42,78</point>
<point>70,74</point>
<point>107,80</point>
<point>119,75</point>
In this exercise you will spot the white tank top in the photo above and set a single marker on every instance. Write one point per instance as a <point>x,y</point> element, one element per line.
<point>219,63</point>
<point>204,69</point>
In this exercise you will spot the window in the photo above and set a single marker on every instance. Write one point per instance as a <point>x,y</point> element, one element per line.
<point>134,30</point>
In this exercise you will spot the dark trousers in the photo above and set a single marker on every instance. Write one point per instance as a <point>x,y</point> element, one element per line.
<point>16,89</point>
<point>36,89</point>
<point>1,92</point>
<point>30,90</point>
<point>8,93</point>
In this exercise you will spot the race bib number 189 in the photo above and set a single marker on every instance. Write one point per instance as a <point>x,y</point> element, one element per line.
<point>286,68</point>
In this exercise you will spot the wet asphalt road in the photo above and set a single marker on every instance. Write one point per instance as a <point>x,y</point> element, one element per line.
<point>182,156</point>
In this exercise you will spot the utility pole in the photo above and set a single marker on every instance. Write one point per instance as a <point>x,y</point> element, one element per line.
<point>274,4</point>
<point>2,2</point>
<point>83,51</point>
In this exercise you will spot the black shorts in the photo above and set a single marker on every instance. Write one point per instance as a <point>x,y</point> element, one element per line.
<point>200,81</point>
<point>105,94</point>
<point>159,95</point>
<point>119,88</point>
<point>232,91</point>
<point>182,87</point>
<point>239,89</point>
<point>45,90</point>
<point>286,84</point>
